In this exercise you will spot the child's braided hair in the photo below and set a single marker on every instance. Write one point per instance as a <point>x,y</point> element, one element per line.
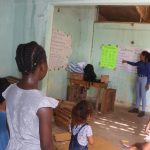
<point>29,56</point>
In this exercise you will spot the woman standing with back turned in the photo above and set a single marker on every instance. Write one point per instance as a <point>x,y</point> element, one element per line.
<point>141,83</point>
<point>29,112</point>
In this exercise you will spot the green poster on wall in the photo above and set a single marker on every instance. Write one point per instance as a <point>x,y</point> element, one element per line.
<point>108,57</point>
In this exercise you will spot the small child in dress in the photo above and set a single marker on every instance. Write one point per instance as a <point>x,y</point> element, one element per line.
<point>81,132</point>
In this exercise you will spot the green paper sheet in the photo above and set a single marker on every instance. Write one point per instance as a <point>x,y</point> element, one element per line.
<point>108,57</point>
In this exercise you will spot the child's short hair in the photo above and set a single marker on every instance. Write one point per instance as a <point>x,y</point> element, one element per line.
<point>3,86</point>
<point>81,112</point>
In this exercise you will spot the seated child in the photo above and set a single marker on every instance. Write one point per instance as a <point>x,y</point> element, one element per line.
<point>79,128</point>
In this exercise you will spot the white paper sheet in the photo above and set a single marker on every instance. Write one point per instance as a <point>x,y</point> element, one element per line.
<point>60,50</point>
<point>130,54</point>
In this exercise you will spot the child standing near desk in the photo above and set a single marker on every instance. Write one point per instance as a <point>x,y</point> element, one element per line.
<point>80,130</point>
<point>141,83</point>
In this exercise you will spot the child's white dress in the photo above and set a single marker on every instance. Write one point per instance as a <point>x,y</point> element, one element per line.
<point>21,108</point>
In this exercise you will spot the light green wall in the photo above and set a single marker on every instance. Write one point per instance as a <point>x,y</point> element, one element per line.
<point>12,33</point>
<point>18,33</point>
<point>87,18</point>
<point>78,22</point>
<point>20,21</point>
<point>120,34</point>
<point>30,22</point>
<point>67,20</point>
<point>6,36</point>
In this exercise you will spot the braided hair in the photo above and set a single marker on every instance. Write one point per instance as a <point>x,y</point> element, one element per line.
<point>29,56</point>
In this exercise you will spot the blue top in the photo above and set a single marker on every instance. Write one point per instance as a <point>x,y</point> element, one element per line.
<point>148,73</point>
<point>143,69</point>
<point>4,135</point>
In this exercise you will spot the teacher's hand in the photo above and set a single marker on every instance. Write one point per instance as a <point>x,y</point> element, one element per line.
<point>124,61</point>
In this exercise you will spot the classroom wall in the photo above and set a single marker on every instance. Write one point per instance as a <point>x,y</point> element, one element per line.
<point>6,36</point>
<point>30,22</point>
<point>66,20</point>
<point>18,33</point>
<point>120,34</point>
<point>78,22</point>
<point>20,22</point>
<point>27,20</point>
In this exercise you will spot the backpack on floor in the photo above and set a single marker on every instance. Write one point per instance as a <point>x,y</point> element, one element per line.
<point>89,74</point>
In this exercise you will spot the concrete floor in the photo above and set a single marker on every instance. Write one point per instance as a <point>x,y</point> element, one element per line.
<point>117,126</point>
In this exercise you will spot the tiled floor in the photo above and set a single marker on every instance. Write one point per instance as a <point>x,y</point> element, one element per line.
<point>118,126</point>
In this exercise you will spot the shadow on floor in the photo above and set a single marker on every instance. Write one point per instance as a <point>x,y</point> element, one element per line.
<point>120,125</point>
<point>117,126</point>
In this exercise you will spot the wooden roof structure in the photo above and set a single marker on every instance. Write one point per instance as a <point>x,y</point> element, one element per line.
<point>124,13</point>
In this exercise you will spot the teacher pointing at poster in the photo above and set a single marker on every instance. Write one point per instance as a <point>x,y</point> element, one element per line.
<point>141,83</point>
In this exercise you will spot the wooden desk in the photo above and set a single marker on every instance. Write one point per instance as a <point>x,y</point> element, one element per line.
<point>97,85</point>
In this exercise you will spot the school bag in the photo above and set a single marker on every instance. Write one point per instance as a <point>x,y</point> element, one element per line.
<point>89,74</point>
